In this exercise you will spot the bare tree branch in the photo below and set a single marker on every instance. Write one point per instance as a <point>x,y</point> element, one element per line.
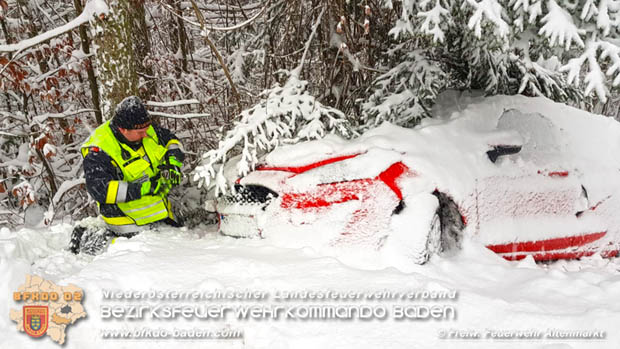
<point>218,55</point>
<point>297,71</point>
<point>85,16</point>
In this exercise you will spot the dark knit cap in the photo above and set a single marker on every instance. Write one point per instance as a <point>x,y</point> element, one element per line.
<point>131,114</point>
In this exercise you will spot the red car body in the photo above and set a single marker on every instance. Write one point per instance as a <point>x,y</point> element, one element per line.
<point>520,212</point>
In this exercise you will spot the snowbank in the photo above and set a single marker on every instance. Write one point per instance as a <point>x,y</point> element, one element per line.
<point>491,294</point>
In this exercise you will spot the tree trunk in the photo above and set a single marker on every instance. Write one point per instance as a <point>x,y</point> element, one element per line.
<point>116,63</point>
<point>178,38</point>
<point>141,44</point>
<point>9,40</point>
<point>92,79</point>
<point>5,32</point>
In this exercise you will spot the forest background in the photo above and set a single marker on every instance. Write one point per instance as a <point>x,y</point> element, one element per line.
<point>234,79</point>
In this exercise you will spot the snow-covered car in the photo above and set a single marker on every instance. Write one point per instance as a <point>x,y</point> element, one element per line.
<point>521,183</point>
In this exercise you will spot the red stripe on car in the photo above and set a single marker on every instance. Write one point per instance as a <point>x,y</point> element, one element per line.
<point>390,175</point>
<point>547,256</point>
<point>326,194</point>
<point>335,193</point>
<point>547,245</point>
<point>302,169</point>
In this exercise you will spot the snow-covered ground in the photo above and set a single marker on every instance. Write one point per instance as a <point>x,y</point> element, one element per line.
<point>491,293</point>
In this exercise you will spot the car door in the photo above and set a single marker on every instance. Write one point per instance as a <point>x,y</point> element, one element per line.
<point>532,202</point>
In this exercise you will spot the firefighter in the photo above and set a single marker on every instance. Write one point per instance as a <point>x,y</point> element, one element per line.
<point>130,165</point>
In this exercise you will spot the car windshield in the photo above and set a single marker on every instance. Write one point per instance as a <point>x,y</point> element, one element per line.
<point>542,140</point>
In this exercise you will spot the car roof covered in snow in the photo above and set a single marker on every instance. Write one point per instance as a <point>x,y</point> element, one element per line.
<point>451,148</point>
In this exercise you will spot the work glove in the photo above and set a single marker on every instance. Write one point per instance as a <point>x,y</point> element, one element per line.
<point>153,186</point>
<point>170,170</point>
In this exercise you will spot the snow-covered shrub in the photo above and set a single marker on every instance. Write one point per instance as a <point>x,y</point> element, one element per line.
<point>403,95</point>
<point>286,114</point>
<point>531,47</point>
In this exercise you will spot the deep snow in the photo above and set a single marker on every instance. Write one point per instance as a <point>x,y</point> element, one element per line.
<point>492,293</point>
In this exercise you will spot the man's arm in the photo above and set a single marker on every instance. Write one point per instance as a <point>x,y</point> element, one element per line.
<point>104,182</point>
<point>171,142</point>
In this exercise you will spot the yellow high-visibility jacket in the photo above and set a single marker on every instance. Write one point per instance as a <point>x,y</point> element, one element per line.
<point>133,167</point>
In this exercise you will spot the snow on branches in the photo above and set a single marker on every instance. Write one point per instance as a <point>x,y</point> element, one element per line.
<point>25,193</point>
<point>559,26</point>
<point>43,65</point>
<point>491,44</point>
<point>432,19</point>
<point>492,10</point>
<point>286,114</point>
<point>404,94</point>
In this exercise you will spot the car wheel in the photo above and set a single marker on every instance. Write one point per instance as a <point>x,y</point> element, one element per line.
<point>416,229</point>
<point>425,225</point>
<point>451,222</point>
<point>433,240</point>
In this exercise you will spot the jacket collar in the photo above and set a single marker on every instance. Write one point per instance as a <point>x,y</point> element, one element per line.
<point>119,136</point>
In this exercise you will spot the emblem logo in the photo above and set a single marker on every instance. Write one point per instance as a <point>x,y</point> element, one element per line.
<point>35,320</point>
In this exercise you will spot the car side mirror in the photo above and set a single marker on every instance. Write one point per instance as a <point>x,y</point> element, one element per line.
<point>501,150</point>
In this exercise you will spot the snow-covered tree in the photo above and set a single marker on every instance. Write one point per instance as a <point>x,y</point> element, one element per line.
<point>405,93</point>
<point>285,114</point>
<point>532,47</point>
<point>117,66</point>
<point>43,105</point>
